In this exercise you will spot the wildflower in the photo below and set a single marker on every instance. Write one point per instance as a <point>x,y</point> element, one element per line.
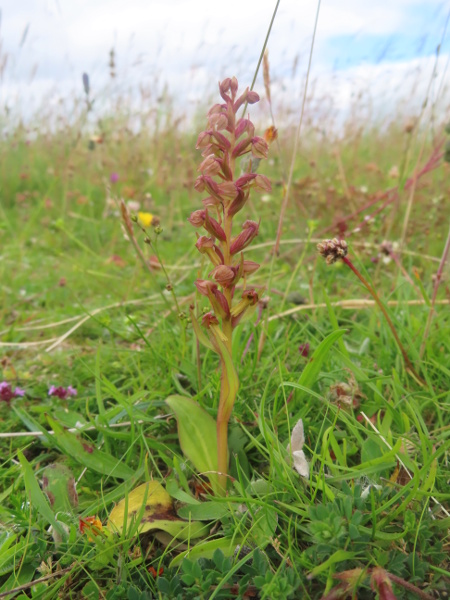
<point>304,350</point>
<point>133,205</point>
<point>86,85</point>
<point>260,147</point>
<point>243,239</point>
<point>62,393</point>
<point>270,134</point>
<point>7,393</point>
<point>380,582</point>
<point>296,450</point>
<point>249,267</point>
<point>114,177</point>
<point>90,525</point>
<point>156,573</point>
<point>224,275</point>
<point>145,219</point>
<point>225,139</point>
<point>333,250</point>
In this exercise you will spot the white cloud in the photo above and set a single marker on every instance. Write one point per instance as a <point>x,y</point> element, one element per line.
<point>190,44</point>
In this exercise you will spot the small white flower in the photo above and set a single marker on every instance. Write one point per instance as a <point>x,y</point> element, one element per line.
<point>296,449</point>
<point>133,205</point>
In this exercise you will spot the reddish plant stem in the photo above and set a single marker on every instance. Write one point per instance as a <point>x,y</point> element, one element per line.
<point>409,586</point>
<point>435,291</point>
<point>375,296</point>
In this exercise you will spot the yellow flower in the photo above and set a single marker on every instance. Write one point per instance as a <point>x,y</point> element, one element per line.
<point>145,218</point>
<point>90,525</point>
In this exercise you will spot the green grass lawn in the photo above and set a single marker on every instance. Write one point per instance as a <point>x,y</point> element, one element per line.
<point>78,308</point>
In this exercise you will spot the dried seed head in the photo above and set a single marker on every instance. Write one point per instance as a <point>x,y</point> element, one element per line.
<point>332,250</point>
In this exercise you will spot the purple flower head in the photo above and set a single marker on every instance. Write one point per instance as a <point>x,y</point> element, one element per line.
<point>304,349</point>
<point>62,392</point>
<point>7,393</point>
<point>114,177</point>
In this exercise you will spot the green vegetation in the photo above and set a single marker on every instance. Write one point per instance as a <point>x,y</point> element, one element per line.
<point>78,308</point>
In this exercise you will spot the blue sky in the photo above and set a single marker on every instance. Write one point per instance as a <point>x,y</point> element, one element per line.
<point>190,44</point>
<point>417,36</point>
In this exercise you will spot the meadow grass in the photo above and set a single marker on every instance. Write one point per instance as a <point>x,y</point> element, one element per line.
<point>78,308</point>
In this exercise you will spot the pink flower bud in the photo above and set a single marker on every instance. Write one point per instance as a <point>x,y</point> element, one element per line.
<point>380,582</point>
<point>245,179</point>
<point>234,85</point>
<point>247,96</point>
<point>252,97</point>
<point>218,251</point>
<point>224,275</point>
<point>243,239</point>
<point>203,243</point>
<point>228,190</point>
<point>240,101</point>
<point>242,127</point>
<point>210,149</point>
<point>203,286</point>
<point>223,142</point>
<point>209,319</point>
<point>214,228</point>
<point>203,139</point>
<point>210,201</point>
<point>263,183</point>
<point>226,167</point>
<point>250,267</point>
<point>260,148</point>
<point>238,203</point>
<point>218,121</point>
<point>224,87</point>
<point>199,184</point>
<point>219,302</point>
<point>210,166</point>
<point>211,186</point>
<point>251,295</point>
<point>242,147</point>
<point>216,109</point>
<point>197,218</point>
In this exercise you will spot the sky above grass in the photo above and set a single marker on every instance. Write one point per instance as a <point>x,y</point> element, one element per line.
<point>189,44</point>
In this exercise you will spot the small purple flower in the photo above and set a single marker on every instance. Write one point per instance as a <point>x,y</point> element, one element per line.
<point>304,349</point>
<point>61,392</point>
<point>114,177</point>
<point>7,393</point>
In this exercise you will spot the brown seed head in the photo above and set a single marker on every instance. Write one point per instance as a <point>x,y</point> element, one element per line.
<point>333,250</point>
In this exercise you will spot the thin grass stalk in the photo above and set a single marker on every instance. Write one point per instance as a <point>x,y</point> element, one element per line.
<point>287,190</point>
<point>435,291</point>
